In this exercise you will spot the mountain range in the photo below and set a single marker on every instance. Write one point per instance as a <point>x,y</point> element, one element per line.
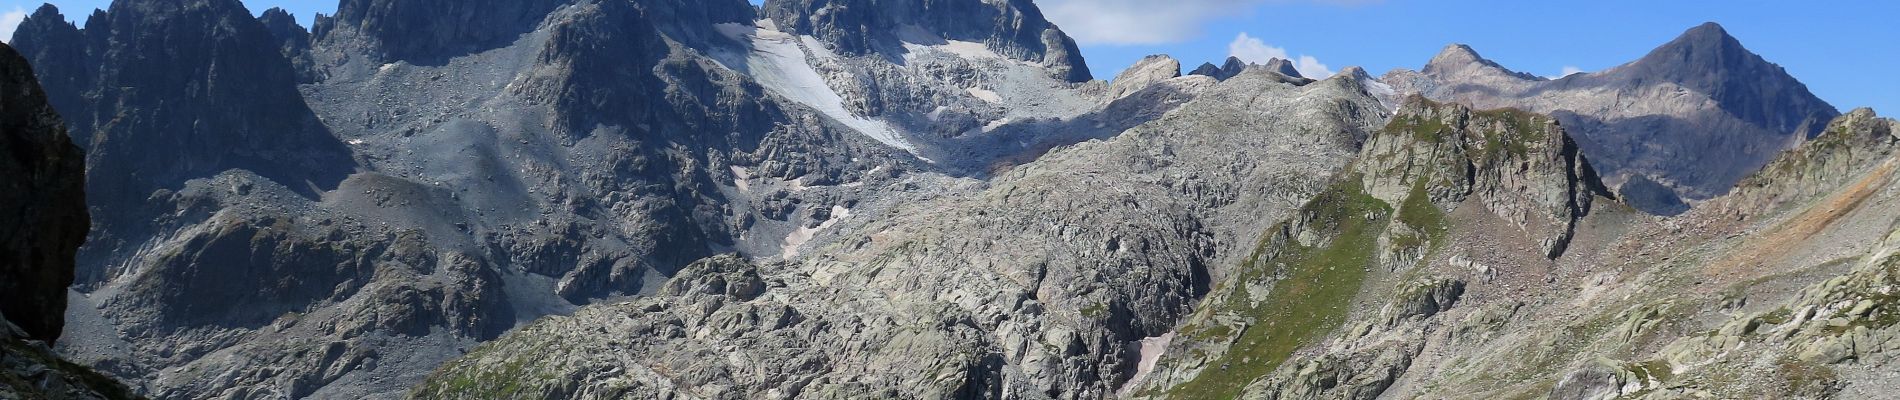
<point>909,199</point>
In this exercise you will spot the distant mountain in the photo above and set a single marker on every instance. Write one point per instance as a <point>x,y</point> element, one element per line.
<point>1233,66</point>
<point>1694,116</point>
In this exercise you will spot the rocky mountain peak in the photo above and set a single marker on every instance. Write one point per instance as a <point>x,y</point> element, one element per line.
<point>58,48</point>
<point>1283,67</point>
<point>1708,60</point>
<point>293,40</point>
<point>1461,60</point>
<point>1012,28</point>
<point>431,30</point>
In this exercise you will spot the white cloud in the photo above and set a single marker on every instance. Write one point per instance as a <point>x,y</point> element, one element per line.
<point>1568,71</point>
<point>10,21</point>
<point>1253,50</point>
<point>1148,22</point>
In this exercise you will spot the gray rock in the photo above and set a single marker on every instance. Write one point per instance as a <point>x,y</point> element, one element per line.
<point>43,176</point>
<point>1014,28</point>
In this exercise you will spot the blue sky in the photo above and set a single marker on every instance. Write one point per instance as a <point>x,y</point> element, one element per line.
<point>1844,50</point>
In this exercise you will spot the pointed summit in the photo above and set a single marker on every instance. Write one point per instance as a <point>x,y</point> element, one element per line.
<point>1456,54</point>
<point>1708,60</point>
<point>1283,67</point>
<point>1460,59</point>
<point>57,49</point>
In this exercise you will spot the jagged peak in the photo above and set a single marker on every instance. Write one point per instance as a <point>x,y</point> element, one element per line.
<point>1234,66</point>
<point>1283,67</point>
<point>1233,63</point>
<point>1206,69</point>
<point>46,11</point>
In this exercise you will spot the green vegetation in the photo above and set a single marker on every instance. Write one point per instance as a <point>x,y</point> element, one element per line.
<point>1528,129</point>
<point>1429,130</point>
<point>1421,215</point>
<point>1310,302</point>
<point>471,376</point>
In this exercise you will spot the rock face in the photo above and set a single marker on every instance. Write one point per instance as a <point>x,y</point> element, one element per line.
<point>1520,166</point>
<point>1695,115</point>
<point>42,178</point>
<point>1013,28</point>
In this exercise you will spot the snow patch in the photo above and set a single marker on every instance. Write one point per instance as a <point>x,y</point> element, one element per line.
<point>918,42</point>
<point>986,95</point>
<point>1151,351</point>
<point>993,125</point>
<point>778,62</point>
<point>741,177</point>
<point>1387,96</point>
<point>799,236</point>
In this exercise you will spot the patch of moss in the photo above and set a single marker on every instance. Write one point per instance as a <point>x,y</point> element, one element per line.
<point>1309,302</point>
<point>1521,130</point>
<point>1423,129</point>
<point>1802,377</point>
<point>1421,215</point>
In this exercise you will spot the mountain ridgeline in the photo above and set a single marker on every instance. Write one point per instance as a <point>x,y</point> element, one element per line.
<point>921,199</point>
